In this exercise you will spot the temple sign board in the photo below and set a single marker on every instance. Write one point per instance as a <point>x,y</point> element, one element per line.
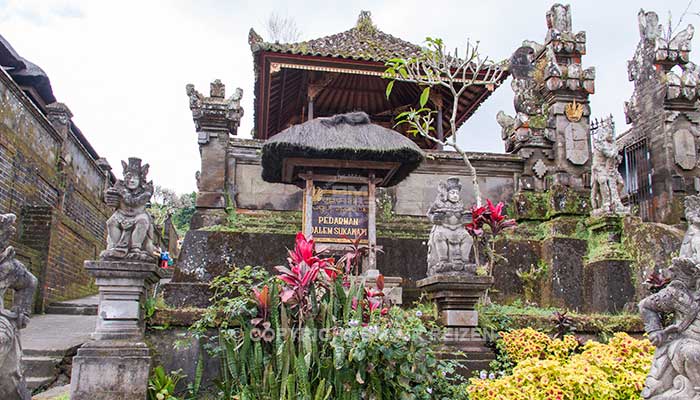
<point>339,212</point>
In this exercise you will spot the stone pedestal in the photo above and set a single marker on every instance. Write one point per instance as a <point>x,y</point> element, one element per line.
<point>123,286</point>
<point>111,370</point>
<point>117,363</point>
<point>456,297</point>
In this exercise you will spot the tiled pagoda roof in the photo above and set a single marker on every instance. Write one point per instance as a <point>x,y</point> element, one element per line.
<point>363,42</point>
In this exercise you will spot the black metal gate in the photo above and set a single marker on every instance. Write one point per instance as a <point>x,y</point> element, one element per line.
<point>636,169</point>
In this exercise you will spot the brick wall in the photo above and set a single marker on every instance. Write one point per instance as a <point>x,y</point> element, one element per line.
<point>54,186</point>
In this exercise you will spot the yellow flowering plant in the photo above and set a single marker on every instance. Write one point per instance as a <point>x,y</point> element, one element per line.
<point>553,369</point>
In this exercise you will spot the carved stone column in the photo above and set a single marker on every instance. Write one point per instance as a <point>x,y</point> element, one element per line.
<point>456,296</point>
<point>215,118</point>
<point>117,363</point>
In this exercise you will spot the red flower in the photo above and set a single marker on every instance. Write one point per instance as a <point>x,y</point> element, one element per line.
<point>475,228</point>
<point>262,298</point>
<point>303,250</point>
<point>490,214</point>
<point>495,211</point>
<point>303,271</point>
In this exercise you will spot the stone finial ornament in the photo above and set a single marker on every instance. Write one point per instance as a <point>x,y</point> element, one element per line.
<point>606,181</point>
<point>450,244</point>
<point>130,228</point>
<point>675,371</point>
<point>216,112</point>
<point>13,275</point>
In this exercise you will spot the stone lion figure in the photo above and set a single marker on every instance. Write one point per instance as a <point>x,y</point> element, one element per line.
<point>450,244</point>
<point>130,228</point>
<point>675,372</point>
<point>14,276</point>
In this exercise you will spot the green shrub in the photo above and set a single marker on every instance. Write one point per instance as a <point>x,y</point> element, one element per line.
<point>555,369</point>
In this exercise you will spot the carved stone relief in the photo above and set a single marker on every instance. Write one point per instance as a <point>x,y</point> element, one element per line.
<point>685,149</point>
<point>576,143</point>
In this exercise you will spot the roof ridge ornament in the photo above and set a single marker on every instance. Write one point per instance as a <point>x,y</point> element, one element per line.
<point>364,22</point>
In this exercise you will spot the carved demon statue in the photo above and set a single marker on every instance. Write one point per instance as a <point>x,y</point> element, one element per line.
<point>130,228</point>
<point>675,372</point>
<point>606,181</point>
<point>13,275</point>
<point>450,244</point>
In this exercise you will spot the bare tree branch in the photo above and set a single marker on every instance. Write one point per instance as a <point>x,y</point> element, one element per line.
<point>440,67</point>
<point>282,29</point>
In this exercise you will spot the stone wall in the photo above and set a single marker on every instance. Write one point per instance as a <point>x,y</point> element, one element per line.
<point>54,185</point>
<point>498,174</point>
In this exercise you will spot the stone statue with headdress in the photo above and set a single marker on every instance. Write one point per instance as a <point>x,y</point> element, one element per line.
<point>130,229</point>
<point>675,371</point>
<point>14,276</point>
<point>450,244</point>
<point>606,181</point>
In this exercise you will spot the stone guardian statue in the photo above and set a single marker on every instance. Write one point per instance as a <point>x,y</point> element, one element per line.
<point>675,372</point>
<point>130,228</point>
<point>450,244</point>
<point>13,275</point>
<point>606,181</point>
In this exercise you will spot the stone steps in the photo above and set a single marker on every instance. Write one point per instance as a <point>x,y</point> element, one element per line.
<point>48,344</point>
<point>41,365</point>
<point>72,309</point>
<point>34,383</point>
<point>42,368</point>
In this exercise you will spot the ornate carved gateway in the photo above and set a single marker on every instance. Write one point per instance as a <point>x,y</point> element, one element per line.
<point>550,127</point>
<point>663,110</point>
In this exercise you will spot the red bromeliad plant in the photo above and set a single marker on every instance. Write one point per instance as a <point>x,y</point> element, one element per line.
<point>494,217</point>
<point>303,273</point>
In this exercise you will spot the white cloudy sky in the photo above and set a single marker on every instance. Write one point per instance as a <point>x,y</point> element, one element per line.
<point>122,66</point>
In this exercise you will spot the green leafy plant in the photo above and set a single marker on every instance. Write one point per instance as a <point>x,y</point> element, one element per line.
<point>161,385</point>
<point>317,331</point>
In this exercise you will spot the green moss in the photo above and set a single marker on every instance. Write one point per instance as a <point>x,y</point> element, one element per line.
<point>602,242</point>
<point>516,316</point>
<point>290,222</point>
<point>530,205</point>
<point>532,280</point>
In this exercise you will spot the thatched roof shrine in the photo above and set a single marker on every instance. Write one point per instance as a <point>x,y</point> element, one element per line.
<point>347,145</point>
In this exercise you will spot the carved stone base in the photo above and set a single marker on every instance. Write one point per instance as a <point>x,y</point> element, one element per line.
<point>110,370</point>
<point>123,286</point>
<point>606,232</point>
<point>456,297</point>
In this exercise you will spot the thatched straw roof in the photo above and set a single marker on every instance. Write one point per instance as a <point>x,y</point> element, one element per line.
<point>342,137</point>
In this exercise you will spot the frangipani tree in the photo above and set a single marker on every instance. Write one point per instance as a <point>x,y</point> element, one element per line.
<point>456,72</point>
